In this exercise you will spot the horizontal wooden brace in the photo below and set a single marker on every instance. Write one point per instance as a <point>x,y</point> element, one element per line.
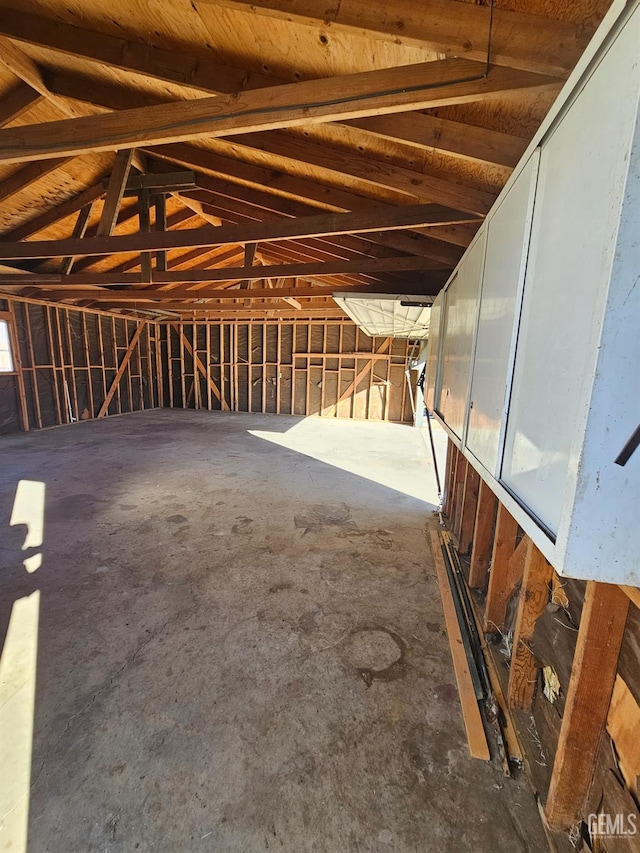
<point>153,295</point>
<point>253,232</point>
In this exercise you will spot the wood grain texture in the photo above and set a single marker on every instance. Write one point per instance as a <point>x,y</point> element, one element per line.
<point>500,586</point>
<point>487,508</point>
<point>534,597</point>
<point>604,615</point>
<point>302,227</point>
<point>476,737</point>
<point>115,191</point>
<point>518,39</point>
<point>126,358</point>
<point>17,102</point>
<point>623,725</point>
<point>469,509</point>
<point>368,93</point>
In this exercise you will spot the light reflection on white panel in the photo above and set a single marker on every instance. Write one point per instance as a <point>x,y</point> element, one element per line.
<point>577,208</point>
<point>503,271</point>
<point>433,355</point>
<point>385,315</point>
<point>461,309</point>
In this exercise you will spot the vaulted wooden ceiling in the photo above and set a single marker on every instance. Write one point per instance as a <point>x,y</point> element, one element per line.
<point>339,143</point>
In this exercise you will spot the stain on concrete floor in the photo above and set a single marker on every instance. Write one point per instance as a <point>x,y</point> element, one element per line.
<point>214,674</point>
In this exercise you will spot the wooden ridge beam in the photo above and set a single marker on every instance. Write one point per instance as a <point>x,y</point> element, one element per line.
<point>299,228</point>
<point>391,90</point>
<point>161,182</point>
<point>518,39</point>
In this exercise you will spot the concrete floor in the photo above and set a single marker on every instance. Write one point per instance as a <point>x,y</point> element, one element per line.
<point>235,643</point>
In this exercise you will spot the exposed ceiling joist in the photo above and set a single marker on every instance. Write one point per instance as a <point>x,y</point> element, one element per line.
<point>390,90</point>
<point>448,26</point>
<point>414,184</point>
<point>370,244</point>
<point>149,294</point>
<point>309,226</point>
<point>464,140</point>
<point>309,270</point>
<point>285,188</point>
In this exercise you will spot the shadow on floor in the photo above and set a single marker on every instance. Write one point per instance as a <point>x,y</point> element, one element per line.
<point>239,646</point>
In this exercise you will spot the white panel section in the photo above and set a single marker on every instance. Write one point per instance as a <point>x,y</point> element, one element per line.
<point>582,171</point>
<point>461,309</point>
<point>600,532</point>
<point>388,315</point>
<point>432,384</point>
<point>505,262</point>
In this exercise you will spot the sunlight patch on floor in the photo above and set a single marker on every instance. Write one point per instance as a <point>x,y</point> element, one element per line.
<point>390,455</point>
<point>18,667</point>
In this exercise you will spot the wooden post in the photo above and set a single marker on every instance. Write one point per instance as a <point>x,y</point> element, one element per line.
<point>485,516</point>
<point>169,366</point>
<point>121,369</point>
<point>534,597</point>
<point>102,362</point>
<point>36,395</point>
<point>500,588</point>
<point>160,203</point>
<point>469,508</point>
<point>87,356</point>
<point>458,493</point>
<point>54,372</point>
<point>115,191</point>
<point>452,458</point>
<point>207,332</point>
<point>17,366</point>
<point>198,366</point>
<point>144,219</point>
<point>593,675</point>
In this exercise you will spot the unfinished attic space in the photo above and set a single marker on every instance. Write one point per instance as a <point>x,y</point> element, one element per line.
<point>319,426</point>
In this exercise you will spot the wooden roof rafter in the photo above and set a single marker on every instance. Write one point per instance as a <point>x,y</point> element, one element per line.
<point>266,151</point>
<point>369,93</point>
